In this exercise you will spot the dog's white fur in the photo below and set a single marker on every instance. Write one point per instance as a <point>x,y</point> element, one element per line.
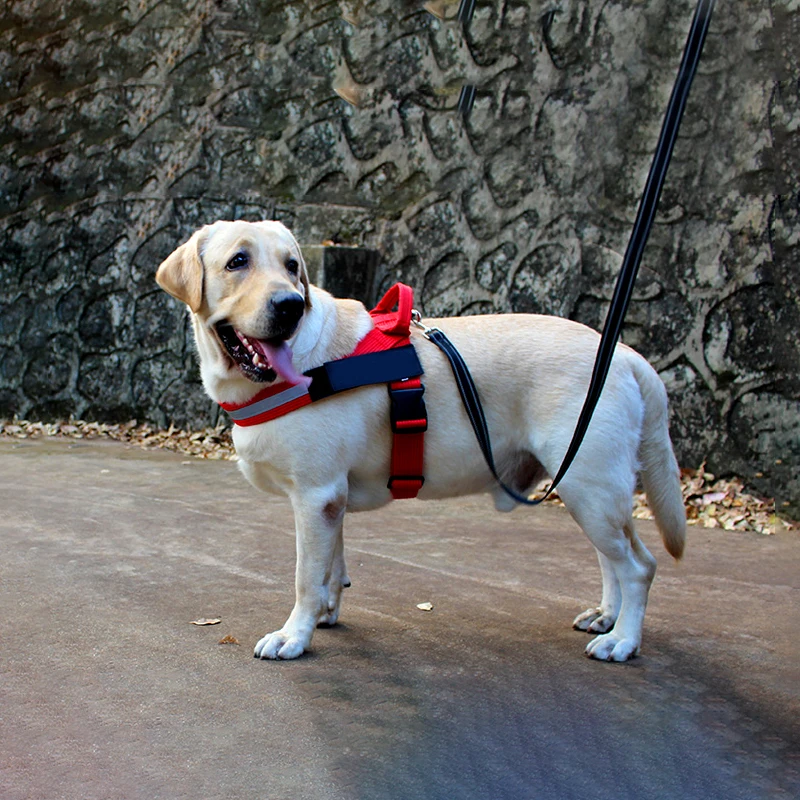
<point>333,456</point>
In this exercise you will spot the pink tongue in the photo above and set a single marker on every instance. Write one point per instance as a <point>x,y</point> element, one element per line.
<point>280,359</point>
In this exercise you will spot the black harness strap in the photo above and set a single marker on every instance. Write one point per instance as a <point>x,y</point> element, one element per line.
<point>625,281</point>
<point>384,366</point>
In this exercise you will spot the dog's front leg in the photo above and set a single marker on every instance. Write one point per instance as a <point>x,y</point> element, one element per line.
<point>337,581</point>
<point>320,574</point>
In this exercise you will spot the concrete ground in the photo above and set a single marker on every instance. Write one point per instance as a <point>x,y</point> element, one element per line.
<point>107,691</point>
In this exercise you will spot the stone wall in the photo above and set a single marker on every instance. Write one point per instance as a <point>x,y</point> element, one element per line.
<point>128,125</point>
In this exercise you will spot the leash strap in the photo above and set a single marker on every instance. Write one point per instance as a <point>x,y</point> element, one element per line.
<point>625,281</point>
<point>466,98</point>
<point>473,407</point>
<point>641,229</point>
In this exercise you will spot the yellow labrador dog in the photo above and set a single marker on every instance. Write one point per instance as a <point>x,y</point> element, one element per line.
<point>257,320</point>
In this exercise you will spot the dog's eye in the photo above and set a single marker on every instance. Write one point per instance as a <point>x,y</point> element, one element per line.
<point>292,266</point>
<point>239,261</point>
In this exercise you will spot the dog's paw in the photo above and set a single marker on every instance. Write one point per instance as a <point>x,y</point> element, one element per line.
<point>611,647</point>
<point>279,645</point>
<point>594,620</point>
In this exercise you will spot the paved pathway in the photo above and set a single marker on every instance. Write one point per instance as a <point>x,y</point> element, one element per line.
<point>107,692</point>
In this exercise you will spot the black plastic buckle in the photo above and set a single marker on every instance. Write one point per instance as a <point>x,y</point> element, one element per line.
<point>408,407</point>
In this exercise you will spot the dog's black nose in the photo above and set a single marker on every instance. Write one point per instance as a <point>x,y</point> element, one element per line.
<point>287,308</point>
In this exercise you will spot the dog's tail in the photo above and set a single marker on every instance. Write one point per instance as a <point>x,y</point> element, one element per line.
<point>659,469</point>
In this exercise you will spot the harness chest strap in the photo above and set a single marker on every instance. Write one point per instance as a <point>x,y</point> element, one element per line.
<point>409,422</point>
<point>384,355</point>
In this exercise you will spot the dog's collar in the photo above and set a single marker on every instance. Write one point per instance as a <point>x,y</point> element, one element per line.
<point>384,355</point>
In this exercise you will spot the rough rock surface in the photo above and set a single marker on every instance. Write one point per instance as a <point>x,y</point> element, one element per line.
<point>128,125</point>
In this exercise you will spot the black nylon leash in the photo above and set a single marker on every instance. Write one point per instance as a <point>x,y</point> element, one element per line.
<point>625,281</point>
<point>474,409</point>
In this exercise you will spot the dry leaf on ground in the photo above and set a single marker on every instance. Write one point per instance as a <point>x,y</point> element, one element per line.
<point>721,503</point>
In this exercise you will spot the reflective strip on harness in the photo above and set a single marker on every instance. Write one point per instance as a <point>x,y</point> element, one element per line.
<point>273,403</point>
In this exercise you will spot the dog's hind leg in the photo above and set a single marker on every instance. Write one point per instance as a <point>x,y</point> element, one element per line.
<point>320,573</point>
<point>635,569</point>
<point>602,618</point>
<point>628,570</point>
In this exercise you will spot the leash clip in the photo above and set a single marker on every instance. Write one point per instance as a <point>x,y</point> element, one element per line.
<point>416,319</point>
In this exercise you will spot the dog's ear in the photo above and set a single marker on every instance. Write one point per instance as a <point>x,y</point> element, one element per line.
<point>181,274</point>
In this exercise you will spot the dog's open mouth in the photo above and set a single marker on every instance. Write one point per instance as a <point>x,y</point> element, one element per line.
<point>260,360</point>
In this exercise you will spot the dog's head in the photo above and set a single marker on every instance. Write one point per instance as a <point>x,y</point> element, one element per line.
<point>246,282</point>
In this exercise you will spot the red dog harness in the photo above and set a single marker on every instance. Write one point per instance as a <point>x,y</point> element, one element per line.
<point>384,355</point>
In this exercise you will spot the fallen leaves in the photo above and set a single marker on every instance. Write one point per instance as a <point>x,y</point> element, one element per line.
<point>206,621</point>
<point>716,503</point>
<point>425,606</point>
<point>213,444</point>
<point>710,501</point>
<point>721,503</point>
<point>228,640</point>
